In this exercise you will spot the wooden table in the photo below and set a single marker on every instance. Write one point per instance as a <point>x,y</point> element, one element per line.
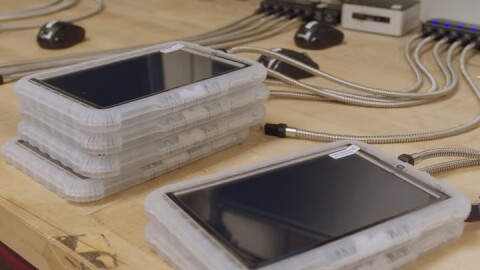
<point>46,229</point>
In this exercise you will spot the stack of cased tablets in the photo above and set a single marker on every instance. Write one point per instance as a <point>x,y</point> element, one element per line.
<point>96,128</point>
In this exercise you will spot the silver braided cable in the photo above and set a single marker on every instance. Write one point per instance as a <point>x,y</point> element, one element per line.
<point>359,100</point>
<point>371,90</point>
<point>48,8</point>
<point>99,7</point>
<point>445,70</point>
<point>352,99</point>
<point>253,29</point>
<point>233,26</point>
<point>445,152</point>
<point>418,62</point>
<point>346,98</point>
<point>403,138</point>
<point>407,53</point>
<point>267,34</point>
<point>451,165</point>
<point>296,95</point>
<point>466,75</point>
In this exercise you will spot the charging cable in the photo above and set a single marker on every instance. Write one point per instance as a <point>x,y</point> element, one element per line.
<point>469,158</point>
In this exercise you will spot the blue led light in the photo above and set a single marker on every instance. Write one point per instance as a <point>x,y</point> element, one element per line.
<point>435,21</point>
<point>460,26</point>
<point>474,29</point>
<point>448,24</point>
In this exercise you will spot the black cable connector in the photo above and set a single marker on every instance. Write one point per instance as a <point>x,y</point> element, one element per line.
<point>474,214</point>
<point>277,130</point>
<point>407,158</point>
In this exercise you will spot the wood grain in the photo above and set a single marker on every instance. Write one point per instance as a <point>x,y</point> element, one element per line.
<point>32,218</point>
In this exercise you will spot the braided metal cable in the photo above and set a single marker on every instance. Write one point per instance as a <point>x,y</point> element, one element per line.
<point>255,28</point>
<point>48,8</point>
<point>445,70</point>
<point>99,7</point>
<point>403,138</point>
<point>451,165</point>
<point>416,54</point>
<point>446,152</point>
<point>376,91</point>
<point>361,100</point>
<point>295,22</point>
<point>233,26</point>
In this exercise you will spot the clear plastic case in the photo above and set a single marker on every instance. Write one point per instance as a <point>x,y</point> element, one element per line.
<point>42,100</point>
<point>111,165</point>
<point>74,187</point>
<point>134,136</point>
<point>391,244</point>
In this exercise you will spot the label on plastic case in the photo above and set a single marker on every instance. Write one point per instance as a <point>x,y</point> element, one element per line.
<point>345,153</point>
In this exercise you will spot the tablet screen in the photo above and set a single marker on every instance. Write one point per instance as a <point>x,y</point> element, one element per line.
<point>273,215</point>
<point>138,77</point>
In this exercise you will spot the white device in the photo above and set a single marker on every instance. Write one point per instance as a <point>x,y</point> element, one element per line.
<point>343,205</point>
<point>388,17</point>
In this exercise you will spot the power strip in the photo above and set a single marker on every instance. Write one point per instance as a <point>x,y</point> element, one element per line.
<point>308,10</point>
<point>454,31</point>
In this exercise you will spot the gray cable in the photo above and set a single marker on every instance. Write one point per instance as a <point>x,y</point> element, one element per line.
<point>267,34</point>
<point>11,72</point>
<point>404,138</point>
<point>445,152</point>
<point>238,24</point>
<point>363,88</point>
<point>252,29</point>
<point>334,78</point>
<point>358,100</point>
<point>370,101</point>
<point>46,9</point>
<point>445,70</point>
<point>99,7</point>
<point>451,165</point>
<point>422,67</point>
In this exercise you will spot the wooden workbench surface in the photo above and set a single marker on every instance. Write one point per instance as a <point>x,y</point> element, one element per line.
<point>46,229</point>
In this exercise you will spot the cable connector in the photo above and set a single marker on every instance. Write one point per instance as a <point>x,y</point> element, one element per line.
<point>407,158</point>
<point>280,130</point>
<point>474,214</point>
<point>277,130</point>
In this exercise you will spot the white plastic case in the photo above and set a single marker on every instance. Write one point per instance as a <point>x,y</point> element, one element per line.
<point>134,136</point>
<point>389,245</point>
<point>74,187</point>
<point>111,165</point>
<point>88,118</point>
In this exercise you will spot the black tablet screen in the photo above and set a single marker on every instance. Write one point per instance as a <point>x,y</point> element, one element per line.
<point>131,79</point>
<point>276,214</point>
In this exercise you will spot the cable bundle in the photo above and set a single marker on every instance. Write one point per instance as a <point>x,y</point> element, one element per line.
<point>49,8</point>
<point>374,97</point>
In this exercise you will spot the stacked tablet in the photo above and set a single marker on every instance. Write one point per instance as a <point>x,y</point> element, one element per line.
<point>96,128</point>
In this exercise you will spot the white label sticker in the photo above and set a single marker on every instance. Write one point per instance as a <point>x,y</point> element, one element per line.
<point>345,153</point>
<point>173,48</point>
